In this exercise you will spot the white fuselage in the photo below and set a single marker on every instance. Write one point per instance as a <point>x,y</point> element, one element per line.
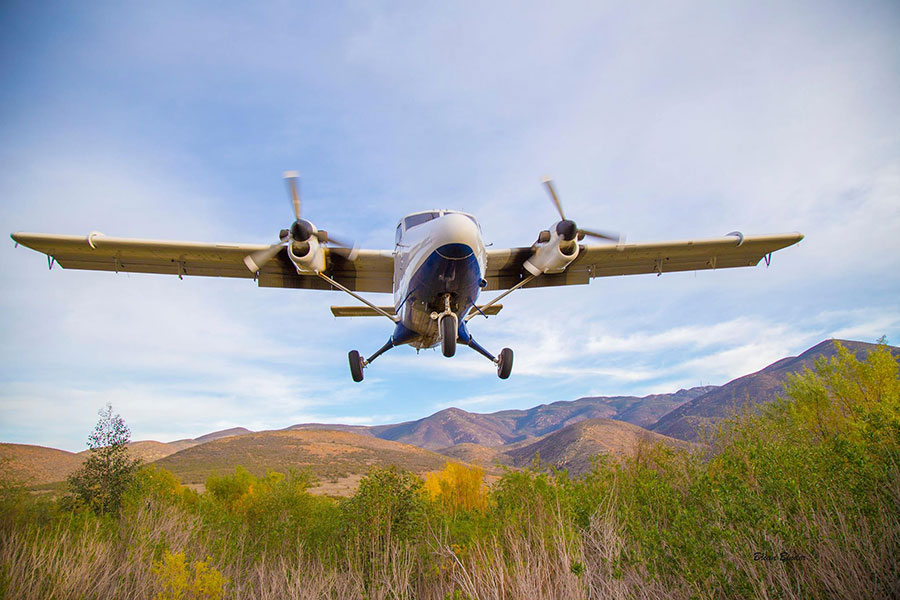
<point>439,255</point>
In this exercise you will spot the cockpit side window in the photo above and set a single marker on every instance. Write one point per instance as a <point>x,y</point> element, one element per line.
<point>414,220</point>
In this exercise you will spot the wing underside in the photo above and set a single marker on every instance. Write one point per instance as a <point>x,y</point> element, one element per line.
<point>505,269</point>
<point>370,271</point>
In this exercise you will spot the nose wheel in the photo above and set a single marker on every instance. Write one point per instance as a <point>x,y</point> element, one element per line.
<point>449,325</point>
<point>448,328</point>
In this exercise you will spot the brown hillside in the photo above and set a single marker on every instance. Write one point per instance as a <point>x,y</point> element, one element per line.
<point>447,428</point>
<point>688,420</point>
<point>149,451</point>
<point>36,465</point>
<point>477,454</point>
<point>572,447</point>
<point>215,435</point>
<point>331,455</point>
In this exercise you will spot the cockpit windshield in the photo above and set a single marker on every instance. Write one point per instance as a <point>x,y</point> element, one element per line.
<point>420,218</point>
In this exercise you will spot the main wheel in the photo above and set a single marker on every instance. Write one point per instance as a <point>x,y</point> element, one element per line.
<point>356,366</point>
<point>449,326</point>
<point>504,364</point>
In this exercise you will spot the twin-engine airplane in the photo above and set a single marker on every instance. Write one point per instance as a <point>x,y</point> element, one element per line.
<point>437,268</point>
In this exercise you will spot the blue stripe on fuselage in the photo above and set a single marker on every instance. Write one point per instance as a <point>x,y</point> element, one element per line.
<point>453,269</point>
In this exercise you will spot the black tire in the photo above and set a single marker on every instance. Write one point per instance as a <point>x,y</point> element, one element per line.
<point>449,326</point>
<point>356,367</point>
<point>504,366</point>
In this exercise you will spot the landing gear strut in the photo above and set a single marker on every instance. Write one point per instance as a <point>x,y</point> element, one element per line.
<point>504,362</point>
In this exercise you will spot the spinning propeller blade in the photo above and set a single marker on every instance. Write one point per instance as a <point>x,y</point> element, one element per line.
<point>258,259</point>
<point>581,233</point>
<point>549,183</point>
<point>613,237</point>
<point>292,179</point>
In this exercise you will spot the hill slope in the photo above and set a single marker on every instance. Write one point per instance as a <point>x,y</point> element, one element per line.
<point>36,465</point>
<point>329,454</point>
<point>573,446</point>
<point>687,421</point>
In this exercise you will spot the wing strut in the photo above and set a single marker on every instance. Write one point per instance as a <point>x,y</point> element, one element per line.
<point>500,297</point>
<point>377,309</point>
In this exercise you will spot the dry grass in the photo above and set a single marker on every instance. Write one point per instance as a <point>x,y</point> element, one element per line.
<point>854,559</point>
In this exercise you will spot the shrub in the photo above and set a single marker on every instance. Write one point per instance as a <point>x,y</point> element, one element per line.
<point>389,505</point>
<point>182,581</point>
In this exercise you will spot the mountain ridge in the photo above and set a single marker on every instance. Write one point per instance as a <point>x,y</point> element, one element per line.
<point>688,421</point>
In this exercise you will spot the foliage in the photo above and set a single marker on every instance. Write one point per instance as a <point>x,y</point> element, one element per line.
<point>182,581</point>
<point>458,488</point>
<point>389,505</point>
<point>108,469</point>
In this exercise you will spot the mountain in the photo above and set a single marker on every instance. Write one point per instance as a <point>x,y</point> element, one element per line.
<point>449,427</point>
<point>573,446</point>
<point>36,465</point>
<point>453,426</point>
<point>688,420</point>
<point>331,455</point>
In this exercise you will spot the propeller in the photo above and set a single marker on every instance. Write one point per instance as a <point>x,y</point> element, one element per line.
<point>567,229</point>
<point>300,231</point>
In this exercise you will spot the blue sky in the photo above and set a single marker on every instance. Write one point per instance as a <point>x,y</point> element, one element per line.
<point>666,120</point>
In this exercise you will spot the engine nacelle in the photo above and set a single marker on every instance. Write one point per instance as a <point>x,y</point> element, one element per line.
<point>553,256</point>
<point>309,254</point>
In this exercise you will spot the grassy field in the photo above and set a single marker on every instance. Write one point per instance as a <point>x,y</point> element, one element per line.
<point>800,501</point>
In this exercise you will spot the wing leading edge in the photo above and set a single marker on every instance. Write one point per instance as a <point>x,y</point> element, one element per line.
<point>370,271</point>
<point>504,269</point>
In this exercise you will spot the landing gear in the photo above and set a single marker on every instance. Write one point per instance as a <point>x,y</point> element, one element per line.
<point>358,363</point>
<point>448,325</point>
<point>504,363</point>
<point>448,328</point>
<point>356,366</point>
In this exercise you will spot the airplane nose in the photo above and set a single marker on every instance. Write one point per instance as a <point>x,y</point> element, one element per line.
<point>458,229</point>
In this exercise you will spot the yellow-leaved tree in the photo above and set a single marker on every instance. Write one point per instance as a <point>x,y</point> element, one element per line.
<point>458,487</point>
<point>182,581</point>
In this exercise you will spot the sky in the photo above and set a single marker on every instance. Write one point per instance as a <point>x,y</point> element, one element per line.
<point>661,120</point>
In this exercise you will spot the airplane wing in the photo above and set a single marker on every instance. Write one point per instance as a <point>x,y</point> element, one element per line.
<point>370,271</point>
<point>504,268</point>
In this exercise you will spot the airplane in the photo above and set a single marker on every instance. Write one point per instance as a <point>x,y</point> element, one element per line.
<point>436,271</point>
